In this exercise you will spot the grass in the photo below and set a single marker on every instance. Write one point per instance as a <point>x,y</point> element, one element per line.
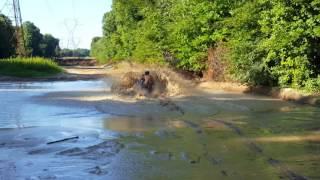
<point>28,67</point>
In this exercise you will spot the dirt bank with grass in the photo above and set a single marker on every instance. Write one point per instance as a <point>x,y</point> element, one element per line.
<point>286,94</point>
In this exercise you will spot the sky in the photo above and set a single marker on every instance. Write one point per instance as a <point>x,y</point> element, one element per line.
<point>74,22</point>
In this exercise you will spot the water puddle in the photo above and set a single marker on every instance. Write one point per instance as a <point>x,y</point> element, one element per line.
<point>18,108</point>
<point>208,136</point>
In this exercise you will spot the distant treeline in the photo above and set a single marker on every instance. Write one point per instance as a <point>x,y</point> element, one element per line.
<point>260,42</point>
<point>74,52</point>
<point>36,44</point>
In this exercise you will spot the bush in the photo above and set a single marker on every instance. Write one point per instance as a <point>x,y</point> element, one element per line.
<point>313,85</point>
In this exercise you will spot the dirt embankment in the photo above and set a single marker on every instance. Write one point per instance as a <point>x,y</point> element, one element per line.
<point>286,94</point>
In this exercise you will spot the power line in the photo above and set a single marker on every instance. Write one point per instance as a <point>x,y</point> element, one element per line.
<point>71,27</point>
<point>21,49</point>
<point>14,14</point>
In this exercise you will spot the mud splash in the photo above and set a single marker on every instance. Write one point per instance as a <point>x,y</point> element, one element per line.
<point>164,85</point>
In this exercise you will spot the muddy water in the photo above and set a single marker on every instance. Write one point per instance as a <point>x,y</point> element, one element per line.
<point>229,136</point>
<point>210,135</point>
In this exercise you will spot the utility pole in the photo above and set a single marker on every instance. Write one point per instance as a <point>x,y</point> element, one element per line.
<point>19,32</point>
<point>11,9</point>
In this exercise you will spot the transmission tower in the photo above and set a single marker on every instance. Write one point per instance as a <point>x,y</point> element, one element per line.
<point>19,33</point>
<point>11,9</point>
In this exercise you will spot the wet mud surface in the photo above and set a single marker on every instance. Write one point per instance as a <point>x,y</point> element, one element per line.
<point>207,135</point>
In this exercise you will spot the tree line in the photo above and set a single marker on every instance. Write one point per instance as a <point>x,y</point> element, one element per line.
<point>36,43</point>
<point>262,42</point>
<point>79,52</point>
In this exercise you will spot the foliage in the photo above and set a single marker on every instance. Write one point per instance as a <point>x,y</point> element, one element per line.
<point>7,40</point>
<point>273,43</point>
<point>38,44</point>
<point>195,29</point>
<point>49,46</point>
<point>276,43</point>
<point>178,32</point>
<point>32,38</point>
<point>28,67</point>
<point>313,85</point>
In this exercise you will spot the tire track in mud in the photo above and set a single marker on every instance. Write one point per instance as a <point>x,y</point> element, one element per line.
<point>99,108</point>
<point>284,170</point>
<point>167,103</point>
<point>214,161</point>
<point>199,131</point>
<point>171,106</point>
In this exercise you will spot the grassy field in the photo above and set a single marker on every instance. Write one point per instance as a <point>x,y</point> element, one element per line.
<point>28,67</point>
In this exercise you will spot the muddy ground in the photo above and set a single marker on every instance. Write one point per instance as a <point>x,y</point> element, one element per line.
<point>199,132</point>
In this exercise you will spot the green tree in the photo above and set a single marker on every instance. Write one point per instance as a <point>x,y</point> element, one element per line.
<point>195,30</point>
<point>268,42</point>
<point>292,47</point>
<point>155,31</point>
<point>33,39</point>
<point>7,38</point>
<point>49,46</point>
<point>276,42</point>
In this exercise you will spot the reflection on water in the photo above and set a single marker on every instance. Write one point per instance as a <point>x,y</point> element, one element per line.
<point>56,86</point>
<point>135,124</point>
<point>18,108</point>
